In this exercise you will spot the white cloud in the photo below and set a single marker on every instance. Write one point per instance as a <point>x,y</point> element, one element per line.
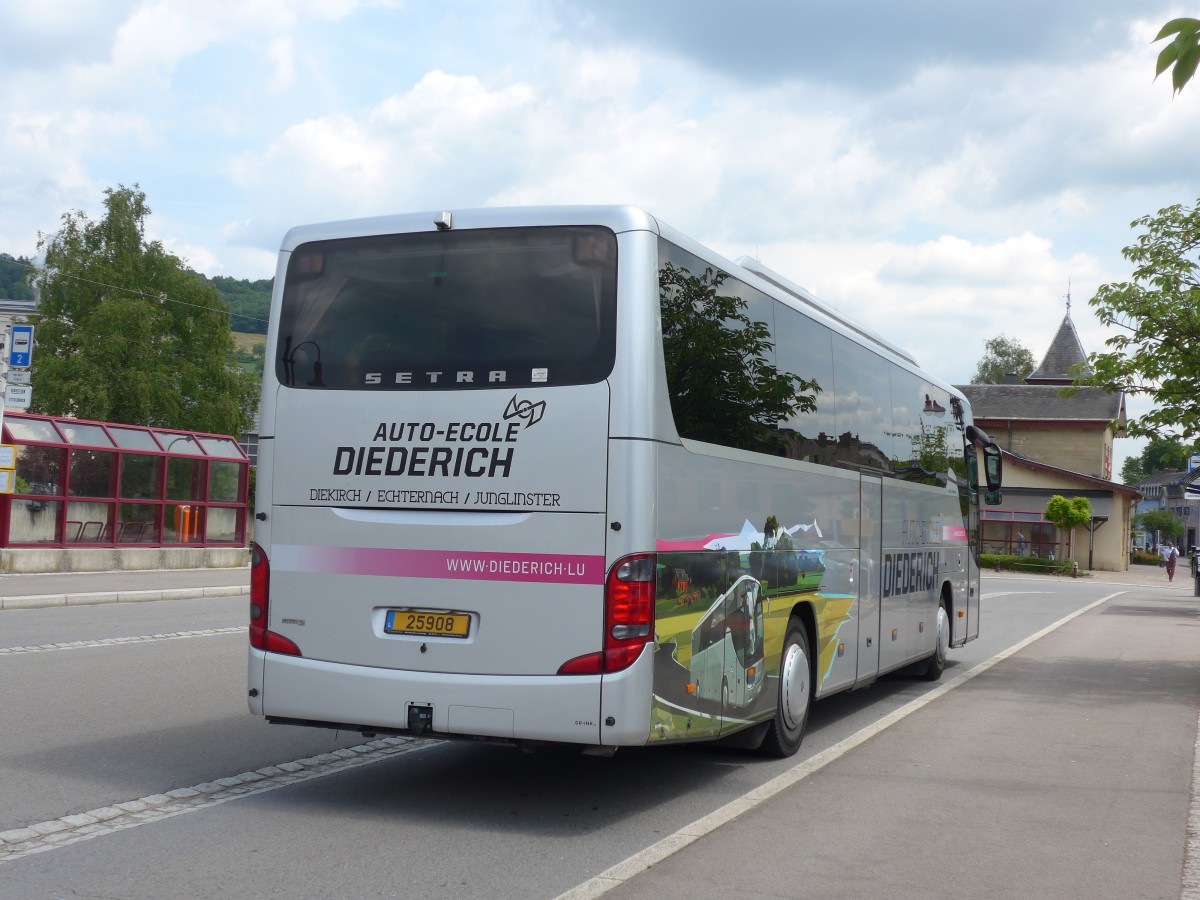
<point>281,54</point>
<point>943,193</point>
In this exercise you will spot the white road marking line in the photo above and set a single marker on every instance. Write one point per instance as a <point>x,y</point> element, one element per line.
<point>18,842</point>
<point>113,642</point>
<point>626,869</point>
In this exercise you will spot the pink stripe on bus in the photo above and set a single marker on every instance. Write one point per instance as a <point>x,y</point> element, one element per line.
<point>547,568</point>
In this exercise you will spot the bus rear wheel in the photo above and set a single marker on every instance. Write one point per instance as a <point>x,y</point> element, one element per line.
<point>786,730</point>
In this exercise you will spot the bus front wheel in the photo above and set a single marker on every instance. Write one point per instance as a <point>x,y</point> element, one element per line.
<point>786,730</point>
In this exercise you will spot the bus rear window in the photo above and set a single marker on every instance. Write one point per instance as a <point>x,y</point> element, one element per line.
<point>488,308</point>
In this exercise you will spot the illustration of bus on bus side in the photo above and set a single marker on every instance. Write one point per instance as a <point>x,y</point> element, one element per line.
<point>727,663</point>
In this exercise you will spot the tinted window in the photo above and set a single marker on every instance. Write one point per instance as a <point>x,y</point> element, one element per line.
<point>864,406</point>
<point>450,310</point>
<point>806,348</point>
<point>719,351</point>
<point>924,429</point>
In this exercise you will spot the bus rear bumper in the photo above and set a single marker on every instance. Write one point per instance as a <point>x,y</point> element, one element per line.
<point>554,708</point>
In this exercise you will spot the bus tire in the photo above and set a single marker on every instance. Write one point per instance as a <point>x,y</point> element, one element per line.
<point>936,663</point>
<point>786,730</point>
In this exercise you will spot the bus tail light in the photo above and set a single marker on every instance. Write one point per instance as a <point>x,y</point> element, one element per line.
<point>260,583</point>
<point>628,617</point>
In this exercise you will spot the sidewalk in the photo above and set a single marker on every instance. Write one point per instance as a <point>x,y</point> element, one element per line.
<point>30,591</point>
<point>1138,576</point>
<point>1063,771</point>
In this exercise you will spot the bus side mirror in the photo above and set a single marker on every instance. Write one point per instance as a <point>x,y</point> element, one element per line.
<point>992,462</point>
<point>992,466</point>
<point>993,498</point>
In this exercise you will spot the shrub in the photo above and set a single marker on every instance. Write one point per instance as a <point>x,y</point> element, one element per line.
<point>1139,558</point>
<point>1026,564</point>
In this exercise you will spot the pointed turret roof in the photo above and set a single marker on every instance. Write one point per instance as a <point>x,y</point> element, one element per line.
<point>1065,352</point>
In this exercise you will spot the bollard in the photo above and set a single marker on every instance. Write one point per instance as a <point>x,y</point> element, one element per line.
<point>1074,569</point>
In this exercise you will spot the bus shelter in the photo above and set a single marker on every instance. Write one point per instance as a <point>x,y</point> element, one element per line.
<point>95,484</point>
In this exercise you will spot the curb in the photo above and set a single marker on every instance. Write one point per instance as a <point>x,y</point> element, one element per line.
<point>41,601</point>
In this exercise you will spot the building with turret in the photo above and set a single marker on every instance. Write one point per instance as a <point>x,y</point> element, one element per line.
<point>1056,444</point>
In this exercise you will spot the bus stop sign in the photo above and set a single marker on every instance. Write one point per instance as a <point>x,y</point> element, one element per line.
<point>21,354</point>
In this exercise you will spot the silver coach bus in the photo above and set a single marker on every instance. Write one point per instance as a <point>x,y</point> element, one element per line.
<point>510,458</point>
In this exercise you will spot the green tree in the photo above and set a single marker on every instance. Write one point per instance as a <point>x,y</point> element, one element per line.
<point>126,333</point>
<point>1003,356</point>
<point>1131,470</point>
<point>1183,52</point>
<point>724,387</point>
<point>1160,455</point>
<point>1066,514</point>
<point>1163,523</point>
<point>1156,350</point>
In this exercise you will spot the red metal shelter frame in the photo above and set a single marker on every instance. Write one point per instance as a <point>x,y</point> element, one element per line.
<point>78,483</point>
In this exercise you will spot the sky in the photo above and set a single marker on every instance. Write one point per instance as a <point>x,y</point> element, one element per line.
<point>944,171</point>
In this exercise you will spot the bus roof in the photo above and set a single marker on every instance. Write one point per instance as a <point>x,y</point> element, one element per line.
<point>616,217</point>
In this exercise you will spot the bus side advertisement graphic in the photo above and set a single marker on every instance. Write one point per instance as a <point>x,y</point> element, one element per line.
<point>720,620</point>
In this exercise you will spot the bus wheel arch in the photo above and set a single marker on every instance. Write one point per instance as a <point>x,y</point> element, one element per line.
<point>785,732</point>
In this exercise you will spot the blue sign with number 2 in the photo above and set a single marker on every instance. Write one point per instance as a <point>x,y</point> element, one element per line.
<point>21,355</point>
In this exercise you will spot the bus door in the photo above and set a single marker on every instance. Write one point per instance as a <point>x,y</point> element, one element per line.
<point>870,552</point>
<point>973,587</point>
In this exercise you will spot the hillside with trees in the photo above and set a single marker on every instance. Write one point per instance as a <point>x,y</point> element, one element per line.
<point>14,278</point>
<point>249,302</point>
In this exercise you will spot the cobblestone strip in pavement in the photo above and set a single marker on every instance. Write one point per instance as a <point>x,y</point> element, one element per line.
<point>112,642</point>
<point>18,842</point>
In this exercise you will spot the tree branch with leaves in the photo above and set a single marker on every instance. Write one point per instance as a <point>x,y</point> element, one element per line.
<point>1183,52</point>
<point>1156,350</point>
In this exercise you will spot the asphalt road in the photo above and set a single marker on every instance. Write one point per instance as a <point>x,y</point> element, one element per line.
<point>130,768</point>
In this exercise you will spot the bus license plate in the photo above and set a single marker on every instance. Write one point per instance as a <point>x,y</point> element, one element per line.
<point>427,623</point>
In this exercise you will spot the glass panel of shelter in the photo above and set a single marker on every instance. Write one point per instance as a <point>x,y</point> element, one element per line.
<point>221,447</point>
<point>32,430</point>
<point>34,521</point>
<point>224,481</point>
<point>133,439</point>
<point>138,523</point>
<point>90,475</point>
<point>139,477</point>
<point>88,435</point>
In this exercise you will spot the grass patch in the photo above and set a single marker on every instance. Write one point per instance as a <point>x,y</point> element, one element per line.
<point>248,342</point>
